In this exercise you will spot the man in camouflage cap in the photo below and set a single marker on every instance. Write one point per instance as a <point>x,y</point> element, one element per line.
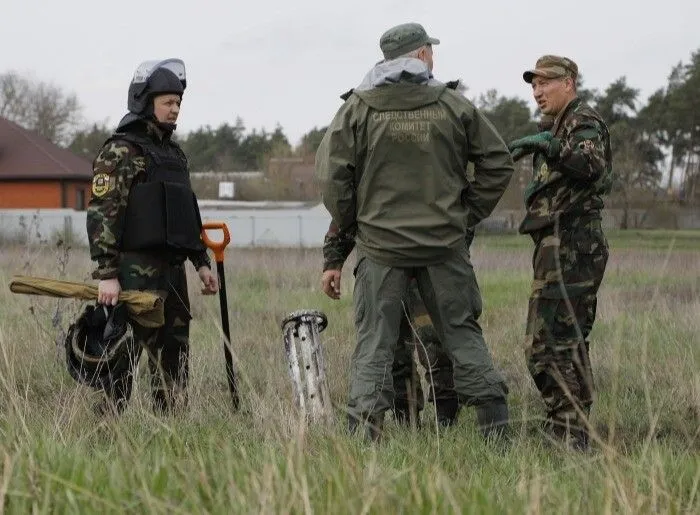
<point>394,180</point>
<point>572,171</point>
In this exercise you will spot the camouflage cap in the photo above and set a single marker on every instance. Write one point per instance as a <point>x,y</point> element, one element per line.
<point>404,38</point>
<point>552,67</point>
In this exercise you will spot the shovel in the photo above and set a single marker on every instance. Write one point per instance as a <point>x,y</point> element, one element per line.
<point>218,248</point>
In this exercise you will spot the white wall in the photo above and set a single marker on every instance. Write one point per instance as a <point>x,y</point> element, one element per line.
<point>248,227</point>
<point>288,227</point>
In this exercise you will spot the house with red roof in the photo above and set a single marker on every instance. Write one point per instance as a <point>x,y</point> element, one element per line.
<point>36,174</point>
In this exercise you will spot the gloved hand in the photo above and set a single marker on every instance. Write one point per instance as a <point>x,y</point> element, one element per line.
<point>539,141</point>
<point>542,142</point>
<point>518,154</point>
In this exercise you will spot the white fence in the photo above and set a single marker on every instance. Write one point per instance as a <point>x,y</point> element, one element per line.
<point>248,227</point>
<point>282,227</point>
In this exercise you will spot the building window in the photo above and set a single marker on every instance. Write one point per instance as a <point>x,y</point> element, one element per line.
<point>80,199</point>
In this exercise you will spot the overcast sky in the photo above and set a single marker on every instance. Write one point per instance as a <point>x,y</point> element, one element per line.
<point>286,62</point>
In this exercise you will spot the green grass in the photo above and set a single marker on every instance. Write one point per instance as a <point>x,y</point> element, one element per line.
<point>58,457</point>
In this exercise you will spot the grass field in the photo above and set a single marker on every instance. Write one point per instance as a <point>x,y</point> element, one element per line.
<point>58,457</point>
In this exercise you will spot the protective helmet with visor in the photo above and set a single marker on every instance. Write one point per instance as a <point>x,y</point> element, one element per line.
<point>153,78</point>
<point>98,345</point>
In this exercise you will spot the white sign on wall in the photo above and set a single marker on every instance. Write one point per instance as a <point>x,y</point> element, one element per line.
<point>227,189</point>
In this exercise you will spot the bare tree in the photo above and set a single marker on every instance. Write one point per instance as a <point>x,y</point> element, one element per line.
<point>39,106</point>
<point>14,97</point>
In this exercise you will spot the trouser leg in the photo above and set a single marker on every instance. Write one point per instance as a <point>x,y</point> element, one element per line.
<point>378,294</point>
<point>453,300</point>
<point>169,352</point>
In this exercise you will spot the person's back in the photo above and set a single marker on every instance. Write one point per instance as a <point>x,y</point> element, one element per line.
<point>394,166</point>
<point>414,139</point>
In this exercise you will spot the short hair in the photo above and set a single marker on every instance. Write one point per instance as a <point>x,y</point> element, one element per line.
<point>413,53</point>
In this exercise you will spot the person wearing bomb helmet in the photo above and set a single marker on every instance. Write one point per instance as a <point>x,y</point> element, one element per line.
<point>143,222</point>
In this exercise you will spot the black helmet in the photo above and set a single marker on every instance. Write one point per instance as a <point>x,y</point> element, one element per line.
<point>155,78</point>
<point>98,344</point>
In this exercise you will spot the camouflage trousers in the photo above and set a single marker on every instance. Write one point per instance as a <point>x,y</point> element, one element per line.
<point>167,347</point>
<point>568,269</point>
<point>452,299</point>
<point>417,334</point>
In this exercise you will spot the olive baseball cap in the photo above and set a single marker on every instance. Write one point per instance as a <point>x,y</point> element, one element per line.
<point>552,67</point>
<point>404,38</point>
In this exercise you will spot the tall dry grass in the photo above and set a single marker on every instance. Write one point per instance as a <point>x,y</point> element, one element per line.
<point>59,457</point>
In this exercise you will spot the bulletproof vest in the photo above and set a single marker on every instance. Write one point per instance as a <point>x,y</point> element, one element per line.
<point>162,212</point>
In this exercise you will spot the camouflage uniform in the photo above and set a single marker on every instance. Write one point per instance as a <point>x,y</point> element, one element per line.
<point>118,166</point>
<point>337,247</point>
<point>564,203</point>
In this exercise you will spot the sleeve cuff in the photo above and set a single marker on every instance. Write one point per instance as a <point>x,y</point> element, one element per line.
<point>105,273</point>
<point>201,259</point>
<point>333,265</point>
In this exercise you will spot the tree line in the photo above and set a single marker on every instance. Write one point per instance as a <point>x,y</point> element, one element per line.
<point>656,142</point>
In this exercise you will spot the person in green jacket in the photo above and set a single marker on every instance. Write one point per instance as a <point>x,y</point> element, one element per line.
<point>393,166</point>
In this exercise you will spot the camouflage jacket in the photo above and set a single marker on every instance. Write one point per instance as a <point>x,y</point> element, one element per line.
<point>115,168</point>
<point>571,178</point>
<point>337,246</point>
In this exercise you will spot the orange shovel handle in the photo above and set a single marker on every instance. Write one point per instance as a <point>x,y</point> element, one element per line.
<point>216,246</point>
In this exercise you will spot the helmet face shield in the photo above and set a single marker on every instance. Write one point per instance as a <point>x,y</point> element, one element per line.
<point>146,69</point>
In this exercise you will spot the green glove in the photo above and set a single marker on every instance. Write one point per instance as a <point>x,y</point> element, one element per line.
<point>519,153</point>
<point>532,143</point>
<point>542,142</point>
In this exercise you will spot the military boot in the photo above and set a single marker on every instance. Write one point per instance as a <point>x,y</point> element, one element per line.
<point>402,414</point>
<point>447,410</point>
<point>493,419</point>
<point>107,407</point>
<point>373,427</point>
<point>573,437</point>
